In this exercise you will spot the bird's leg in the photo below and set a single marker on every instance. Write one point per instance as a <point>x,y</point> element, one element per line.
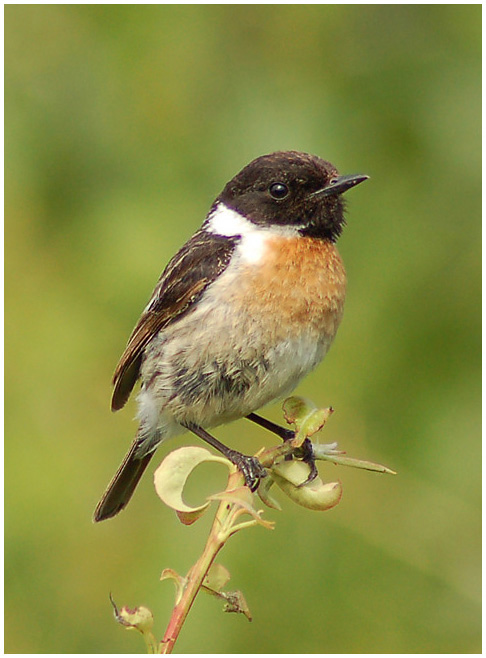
<point>282,432</point>
<point>251,468</point>
<point>305,452</point>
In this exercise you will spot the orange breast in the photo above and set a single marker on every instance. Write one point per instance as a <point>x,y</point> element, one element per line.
<point>298,283</point>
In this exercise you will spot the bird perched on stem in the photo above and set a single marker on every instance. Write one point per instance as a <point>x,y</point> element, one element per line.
<point>244,310</point>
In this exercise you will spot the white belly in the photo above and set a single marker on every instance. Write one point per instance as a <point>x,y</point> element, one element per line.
<point>210,377</point>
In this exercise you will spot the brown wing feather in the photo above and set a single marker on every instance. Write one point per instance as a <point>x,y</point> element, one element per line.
<point>183,281</point>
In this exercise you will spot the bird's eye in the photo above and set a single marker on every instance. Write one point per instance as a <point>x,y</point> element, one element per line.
<point>278,190</point>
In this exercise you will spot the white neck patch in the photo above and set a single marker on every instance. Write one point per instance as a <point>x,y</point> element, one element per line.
<point>225,221</point>
<point>229,223</point>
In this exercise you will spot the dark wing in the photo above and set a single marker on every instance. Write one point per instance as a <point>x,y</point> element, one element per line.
<point>196,265</point>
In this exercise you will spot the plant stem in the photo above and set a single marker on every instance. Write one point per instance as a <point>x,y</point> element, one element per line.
<point>216,540</point>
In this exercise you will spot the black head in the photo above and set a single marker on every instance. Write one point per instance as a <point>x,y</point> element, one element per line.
<point>288,188</point>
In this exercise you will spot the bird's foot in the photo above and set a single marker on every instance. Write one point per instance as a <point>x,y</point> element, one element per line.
<point>251,468</point>
<point>306,454</point>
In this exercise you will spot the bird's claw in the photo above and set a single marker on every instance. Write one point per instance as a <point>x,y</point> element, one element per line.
<point>306,454</point>
<point>251,468</point>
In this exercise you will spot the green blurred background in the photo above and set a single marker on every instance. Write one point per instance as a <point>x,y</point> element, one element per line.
<point>123,122</point>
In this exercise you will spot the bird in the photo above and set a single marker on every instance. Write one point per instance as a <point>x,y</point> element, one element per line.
<point>244,310</point>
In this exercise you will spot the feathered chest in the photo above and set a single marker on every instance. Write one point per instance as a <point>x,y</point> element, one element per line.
<point>286,285</point>
<point>235,299</point>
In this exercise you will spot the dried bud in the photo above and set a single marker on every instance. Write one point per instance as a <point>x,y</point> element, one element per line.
<point>140,618</point>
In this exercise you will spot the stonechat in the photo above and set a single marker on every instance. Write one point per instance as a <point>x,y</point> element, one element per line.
<point>243,311</point>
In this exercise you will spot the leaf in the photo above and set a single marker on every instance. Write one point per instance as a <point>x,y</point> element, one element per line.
<point>321,453</point>
<point>296,409</point>
<point>306,417</point>
<point>315,495</point>
<point>264,493</point>
<point>217,577</point>
<point>171,476</point>
<point>179,582</point>
<point>140,618</point>
<point>242,498</point>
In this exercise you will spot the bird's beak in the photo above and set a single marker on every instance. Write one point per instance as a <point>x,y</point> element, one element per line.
<point>340,184</point>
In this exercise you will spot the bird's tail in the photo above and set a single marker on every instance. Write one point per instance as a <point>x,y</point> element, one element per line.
<point>121,488</point>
